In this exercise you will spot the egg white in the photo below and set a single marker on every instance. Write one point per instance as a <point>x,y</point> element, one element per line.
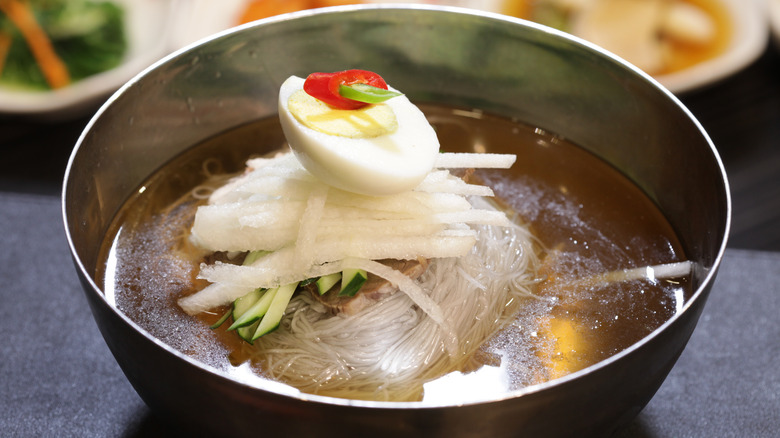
<point>383,165</point>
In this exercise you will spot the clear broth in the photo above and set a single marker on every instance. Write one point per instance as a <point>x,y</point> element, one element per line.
<point>588,219</point>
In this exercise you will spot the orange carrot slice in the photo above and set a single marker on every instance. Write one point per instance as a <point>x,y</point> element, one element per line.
<point>54,70</point>
<point>5,47</point>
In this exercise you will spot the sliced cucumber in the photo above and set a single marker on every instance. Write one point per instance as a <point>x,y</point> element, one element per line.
<point>275,312</point>
<point>327,281</point>
<point>246,332</point>
<point>241,305</point>
<point>308,281</point>
<point>256,311</point>
<point>222,319</point>
<point>254,255</point>
<point>351,281</point>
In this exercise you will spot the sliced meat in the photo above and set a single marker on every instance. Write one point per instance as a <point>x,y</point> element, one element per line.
<point>466,174</point>
<point>222,256</point>
<point>372,291</point>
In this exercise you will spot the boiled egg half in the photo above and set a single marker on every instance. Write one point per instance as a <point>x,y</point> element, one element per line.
<point>380,149</point>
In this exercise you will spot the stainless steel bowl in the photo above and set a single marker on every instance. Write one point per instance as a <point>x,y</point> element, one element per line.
<point>450,56</point>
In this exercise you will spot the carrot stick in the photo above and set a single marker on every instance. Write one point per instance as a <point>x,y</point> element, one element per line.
<point>52,67</point>
<point>5,47</point>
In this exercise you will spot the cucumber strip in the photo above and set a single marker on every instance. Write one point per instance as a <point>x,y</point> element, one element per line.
<point>222,319</point>
<point>275,313</point>
<point>327,281</point>
<point>257,310</point>
<point>241,305</point>
<point>246,332</point>
<point>351,281</point>
<point>308,281</point>
<point>254,255</point>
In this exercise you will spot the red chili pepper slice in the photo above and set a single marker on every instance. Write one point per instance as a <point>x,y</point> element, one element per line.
<point>325,86</point>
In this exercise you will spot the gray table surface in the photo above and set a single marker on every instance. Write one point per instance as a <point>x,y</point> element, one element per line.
<point>59,378</point>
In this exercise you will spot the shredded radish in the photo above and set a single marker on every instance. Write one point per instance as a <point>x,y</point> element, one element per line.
<point>267,271</point>
<point>443,182</point>
<point>223,293</point>
<point>475,217</point>
<point>475,160</point>
<point>310,228</point>
<point>652,273</point>
<point>213,295</point>
<point>307,232</point>
<point>263,210</point>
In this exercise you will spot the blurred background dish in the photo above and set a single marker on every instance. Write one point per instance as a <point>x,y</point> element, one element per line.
<point>774,18</point>
<point>196,19</point>
<point>749,34</point>
<point>684,44</point>
<point>152,28</point>
<point>119,37</point>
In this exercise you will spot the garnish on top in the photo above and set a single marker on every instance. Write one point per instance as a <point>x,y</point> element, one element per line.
<point>365,122</point>
<point>348,89</point>
<point>374,142</point>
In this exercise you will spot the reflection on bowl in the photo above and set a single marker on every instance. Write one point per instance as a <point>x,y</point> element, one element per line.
<point>530,73</point>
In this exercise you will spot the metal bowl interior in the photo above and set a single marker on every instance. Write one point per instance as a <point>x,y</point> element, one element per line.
<point>448,56</point>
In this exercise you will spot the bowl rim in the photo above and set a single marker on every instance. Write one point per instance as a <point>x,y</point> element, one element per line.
<point>263,384</point>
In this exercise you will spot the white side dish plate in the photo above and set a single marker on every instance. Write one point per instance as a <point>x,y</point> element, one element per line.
<point>774,19</point>
<point>157,27</point>
<point>200,18</point>
<point>750,35</point>
<point>148,35</point>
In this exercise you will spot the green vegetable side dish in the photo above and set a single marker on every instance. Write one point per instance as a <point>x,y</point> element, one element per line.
<point>88,37</point>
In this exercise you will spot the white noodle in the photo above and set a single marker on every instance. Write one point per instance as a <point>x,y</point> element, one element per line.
<point>433,326</point>
<point>474,285</point>
<point>389,349</point>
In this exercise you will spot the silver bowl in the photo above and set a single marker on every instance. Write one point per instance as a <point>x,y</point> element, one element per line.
<point>450,56</point>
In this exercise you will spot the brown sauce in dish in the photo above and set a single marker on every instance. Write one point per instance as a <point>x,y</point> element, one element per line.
<point>681,55</point>
<point>678,55</point>
<point>588,219</point>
